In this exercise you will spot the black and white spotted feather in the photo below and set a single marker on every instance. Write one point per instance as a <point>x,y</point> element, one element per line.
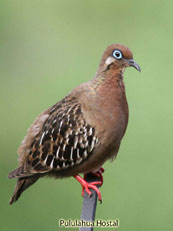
<point>65,139</point>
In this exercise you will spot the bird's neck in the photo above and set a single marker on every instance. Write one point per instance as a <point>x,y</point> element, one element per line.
<point>108,81</point>
<point>108,97</point>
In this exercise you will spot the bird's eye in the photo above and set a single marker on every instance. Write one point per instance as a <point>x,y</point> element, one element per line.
<point>117,54</point>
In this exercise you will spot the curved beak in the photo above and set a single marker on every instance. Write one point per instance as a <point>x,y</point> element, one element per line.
<point>132,63</point>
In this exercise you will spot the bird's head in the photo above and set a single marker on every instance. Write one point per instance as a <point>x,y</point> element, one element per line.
<point>117,56</point>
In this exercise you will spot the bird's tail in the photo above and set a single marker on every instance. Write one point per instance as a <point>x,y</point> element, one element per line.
<point>19,172</point>
<point>22,185</point>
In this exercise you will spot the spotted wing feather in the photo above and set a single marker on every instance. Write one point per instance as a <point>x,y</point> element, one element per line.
<point>64,141</point>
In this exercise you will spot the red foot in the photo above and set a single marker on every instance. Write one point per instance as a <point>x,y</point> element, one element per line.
<point>86,186</point>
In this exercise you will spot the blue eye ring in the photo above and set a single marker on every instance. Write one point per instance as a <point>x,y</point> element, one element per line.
<point>117,54</point>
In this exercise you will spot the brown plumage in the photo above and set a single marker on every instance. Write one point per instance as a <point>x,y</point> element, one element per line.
<point>80,132</point>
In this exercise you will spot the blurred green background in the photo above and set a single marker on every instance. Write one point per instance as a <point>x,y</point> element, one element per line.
<point>49,47</point>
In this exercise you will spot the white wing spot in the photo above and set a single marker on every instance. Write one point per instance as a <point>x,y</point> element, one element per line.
<point>75,141</point>
<point>68,118</point>
<point>78,156</point>
<point>78,161</point>
<point>64,146</point>
<point>71,154</point>
<point>60,126</point>
<point>57,153</point>
<point>63,165</point>
<point>82,145</point>
<point>92,144</point>
<point>42,138</point>
<point>80,139</point>
<point>44,162</point>
<point>53,130</point>
<point>90,132</point>
<point>86,145</point>
<point>69,110</point>
<point>85,154</point>
<point>54,121</point>
<point>57,167</point>
<point>51,165</point>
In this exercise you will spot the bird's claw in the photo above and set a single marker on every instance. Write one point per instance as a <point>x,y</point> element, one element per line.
<point>86,186</point>
<point>92,185</point>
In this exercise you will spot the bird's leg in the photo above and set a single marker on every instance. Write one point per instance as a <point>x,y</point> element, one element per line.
<point>98,174</point>
<point>86,186</point>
